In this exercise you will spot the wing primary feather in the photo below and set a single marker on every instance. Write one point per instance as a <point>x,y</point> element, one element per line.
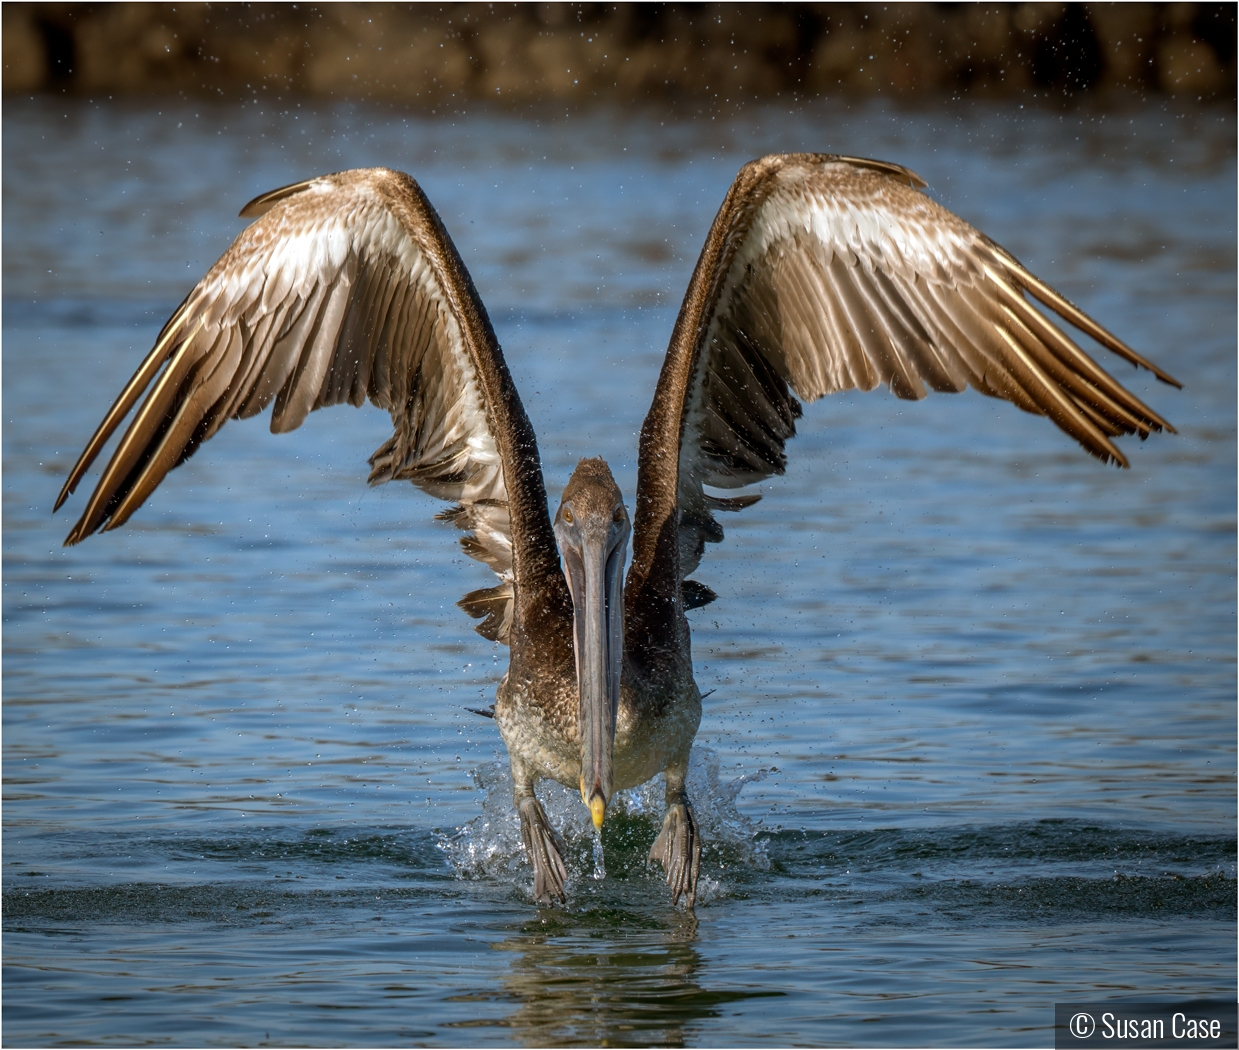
<point>1068,311</point>
<point>1079,388</point>
<point>254,348</point>
<point>748,406</point>
<point>1049,397</point>
<point>184,309</point>
<point>206,383</point>
<point>140,380</point>
<point>960,329</point>
<point>1106,424</point>
<point>1075,358</point>
<point>137,437</point>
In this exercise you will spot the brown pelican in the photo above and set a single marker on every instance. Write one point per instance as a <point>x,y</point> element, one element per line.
<point>821,273</point>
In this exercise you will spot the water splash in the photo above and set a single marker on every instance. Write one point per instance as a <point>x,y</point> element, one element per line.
<point>489,845</point>
<point>600,864</point>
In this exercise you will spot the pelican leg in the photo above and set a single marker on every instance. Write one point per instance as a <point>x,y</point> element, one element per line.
<point>543,846</point>
<point>678,846</point>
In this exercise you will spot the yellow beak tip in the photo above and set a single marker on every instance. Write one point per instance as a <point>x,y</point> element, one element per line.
<point>598,810</point>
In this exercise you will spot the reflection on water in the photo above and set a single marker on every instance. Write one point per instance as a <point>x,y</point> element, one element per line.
<point>979,692</point>
<point>613,976</point>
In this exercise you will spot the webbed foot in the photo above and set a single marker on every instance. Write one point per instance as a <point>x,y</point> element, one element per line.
<point>678,850</point>
<point>544,847</point>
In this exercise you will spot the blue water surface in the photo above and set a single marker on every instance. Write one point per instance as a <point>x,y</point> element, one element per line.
<point>970,745</point>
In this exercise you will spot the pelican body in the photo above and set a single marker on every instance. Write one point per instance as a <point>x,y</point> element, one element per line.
<point>820,273</point>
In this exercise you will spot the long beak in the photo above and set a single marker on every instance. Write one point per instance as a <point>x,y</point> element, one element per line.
<point>597,585</point>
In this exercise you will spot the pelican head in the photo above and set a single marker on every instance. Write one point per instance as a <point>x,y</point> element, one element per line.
<point>592,529</point>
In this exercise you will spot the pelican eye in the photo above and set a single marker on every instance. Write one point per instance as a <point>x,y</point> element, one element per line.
<point>567,515</point>
<point>618,514</point>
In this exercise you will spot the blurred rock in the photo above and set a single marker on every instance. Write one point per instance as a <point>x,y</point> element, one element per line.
<point>1188,66</point>
<point>25,57</point>
<point>381,51</point>
<point>1037,18</point>
<point>1125,34</point>
<point>421,55</point>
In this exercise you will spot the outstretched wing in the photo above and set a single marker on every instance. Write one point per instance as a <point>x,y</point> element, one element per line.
<point>346,288</point>
<point>824,273</point>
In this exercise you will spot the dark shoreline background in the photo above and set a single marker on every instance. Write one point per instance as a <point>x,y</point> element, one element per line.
<point>427,55</point>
